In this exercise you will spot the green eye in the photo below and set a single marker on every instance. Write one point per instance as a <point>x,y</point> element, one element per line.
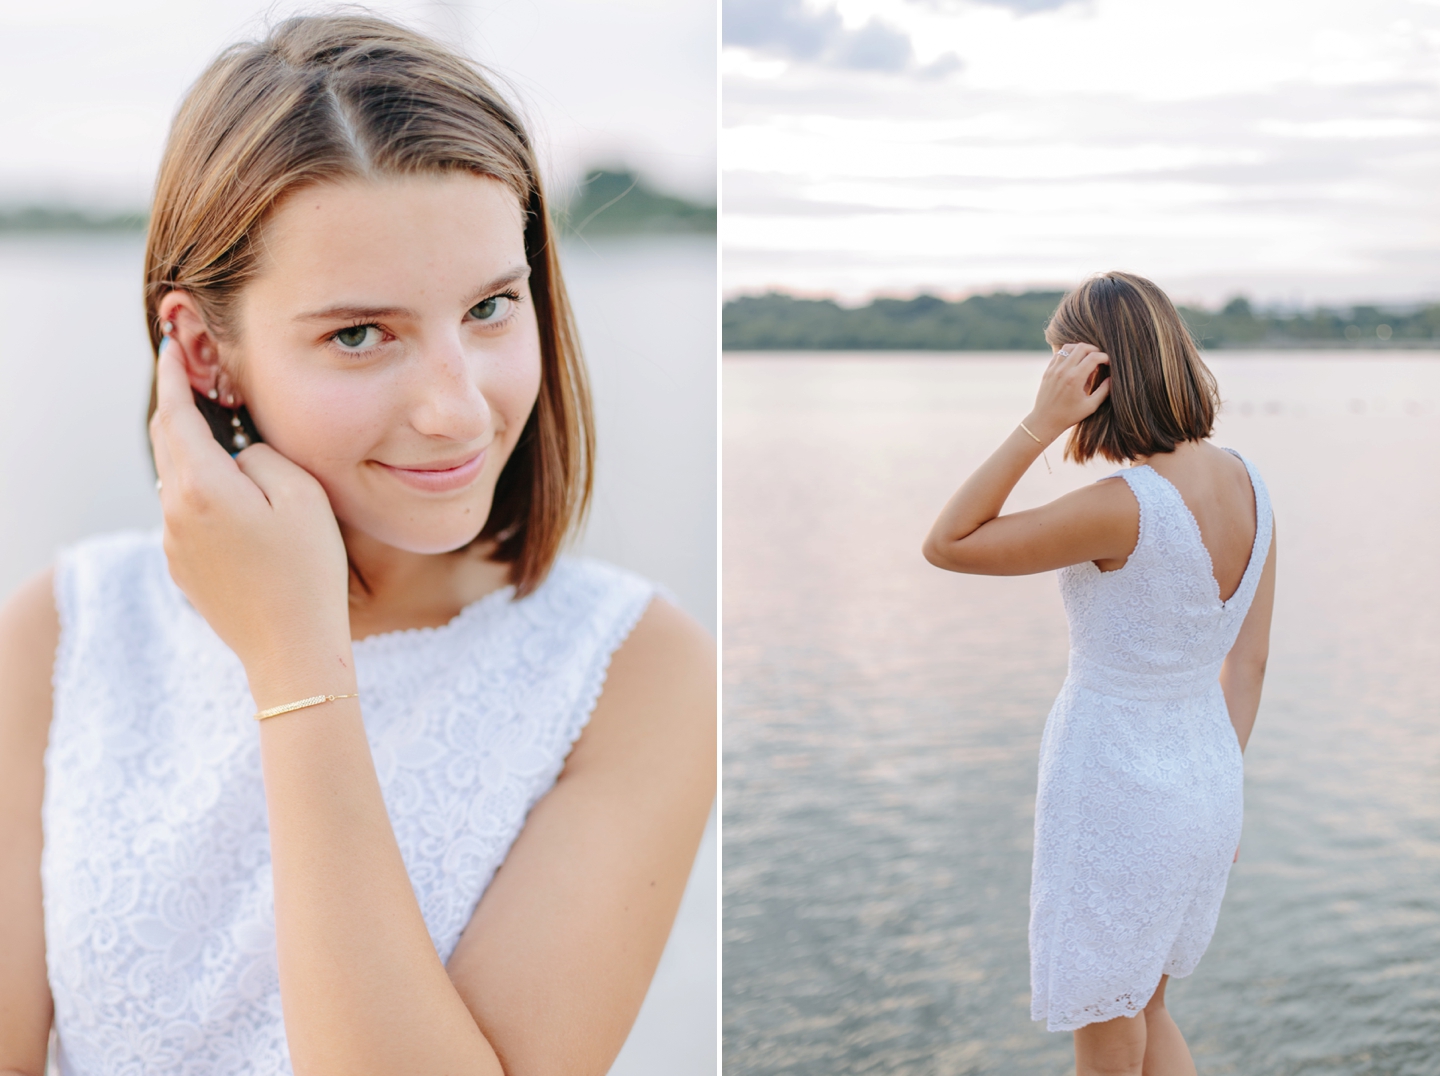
<point>356,336</point>
<point>492,309</point>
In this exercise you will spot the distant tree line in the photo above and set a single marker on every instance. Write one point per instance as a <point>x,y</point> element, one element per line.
<point>1006,322</point>
<point>608,202</point>
<point>66,219</point>
<point>620,202</point>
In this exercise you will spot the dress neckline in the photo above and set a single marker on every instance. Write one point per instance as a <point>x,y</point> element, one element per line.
<point>390,640</point>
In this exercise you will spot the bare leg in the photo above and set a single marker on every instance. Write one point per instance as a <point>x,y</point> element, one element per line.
<point>1165,1051</point>
<point>1114,1048</point>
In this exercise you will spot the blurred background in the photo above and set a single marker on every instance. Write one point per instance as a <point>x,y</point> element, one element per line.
<point>908,187</point>
<point>621,99</point>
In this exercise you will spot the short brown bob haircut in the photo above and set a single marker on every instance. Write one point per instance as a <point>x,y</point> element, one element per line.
<point>1161,393</point>
<point>338,97</point>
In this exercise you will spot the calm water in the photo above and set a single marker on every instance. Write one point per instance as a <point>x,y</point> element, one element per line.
<point>74,381</point>
<point>882,722</point>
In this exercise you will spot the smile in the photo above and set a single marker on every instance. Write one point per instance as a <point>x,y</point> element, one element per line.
<point>444,478</point>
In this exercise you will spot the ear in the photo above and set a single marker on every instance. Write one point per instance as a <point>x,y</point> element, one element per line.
<point>197,348</point>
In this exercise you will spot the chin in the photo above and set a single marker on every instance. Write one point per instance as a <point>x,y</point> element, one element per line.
<point>430,532</point>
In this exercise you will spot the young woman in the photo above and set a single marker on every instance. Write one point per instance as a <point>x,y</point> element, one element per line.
<point>1167,570</point>
<point>456,836</point>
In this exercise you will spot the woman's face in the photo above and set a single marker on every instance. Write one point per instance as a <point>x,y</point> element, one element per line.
<point>388,345</point>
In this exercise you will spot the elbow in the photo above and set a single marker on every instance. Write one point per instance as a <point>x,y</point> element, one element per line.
<point>953,557</point>
<point>929,552</point>
<point>935,553</point>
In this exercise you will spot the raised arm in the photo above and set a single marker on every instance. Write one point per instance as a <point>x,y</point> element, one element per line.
<point>1097,523</point>
<point>1243,673</point>
<point>29,632</point>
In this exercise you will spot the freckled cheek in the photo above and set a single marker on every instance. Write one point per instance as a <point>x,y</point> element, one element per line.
<point>510,382</point>
<point>327,425</point>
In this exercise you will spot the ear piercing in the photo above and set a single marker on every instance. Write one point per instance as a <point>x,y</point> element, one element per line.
<point>239,440</point>
<point>238,437</point>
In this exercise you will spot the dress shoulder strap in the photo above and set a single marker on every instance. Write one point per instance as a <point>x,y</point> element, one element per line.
<point>1149,491</point>
<point>1264,527</point>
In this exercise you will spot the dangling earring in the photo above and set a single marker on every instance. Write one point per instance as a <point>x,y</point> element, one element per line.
<point>239,440</point>
<point>238,437</point>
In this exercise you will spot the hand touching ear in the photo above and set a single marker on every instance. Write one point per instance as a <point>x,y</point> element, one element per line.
<point>252,542</point>
<point>198,350</point>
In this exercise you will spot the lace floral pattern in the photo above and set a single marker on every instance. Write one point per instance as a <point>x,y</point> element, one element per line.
<point>159,907</point>
<point>1138,810</point>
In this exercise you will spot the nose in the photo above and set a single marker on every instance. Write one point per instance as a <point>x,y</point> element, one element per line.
<point>447,401</point>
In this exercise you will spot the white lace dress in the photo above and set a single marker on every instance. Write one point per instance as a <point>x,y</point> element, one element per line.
<point>159,908</point>
<point>1138,812</point>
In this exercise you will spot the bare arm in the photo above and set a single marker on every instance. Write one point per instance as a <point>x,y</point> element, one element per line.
<point>29,632</point>
<point>558,956</point>
<point>253,544</point>
<point>1243,673</point>
<point>1097,523</point>
<point>552,970</point>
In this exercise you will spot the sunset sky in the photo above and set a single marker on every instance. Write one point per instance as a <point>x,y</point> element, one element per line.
<point>1287,149</point>
<point>90,85</point>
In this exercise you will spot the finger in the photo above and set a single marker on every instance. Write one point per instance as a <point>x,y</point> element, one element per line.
<point>1064,354</point>
<point>159,444</point>
<point>188,445</point>
<point>1101,392</point>
<point>164,472</point>
<point>276,476</point>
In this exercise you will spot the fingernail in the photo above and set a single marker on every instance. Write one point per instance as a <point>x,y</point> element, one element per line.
<point>164,343</point>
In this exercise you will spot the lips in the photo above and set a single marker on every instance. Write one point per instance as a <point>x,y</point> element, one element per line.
<point>442,476</point>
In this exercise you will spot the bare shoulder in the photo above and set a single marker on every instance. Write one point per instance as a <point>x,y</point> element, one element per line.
<point>32,605</point>
<point>29,632</point>
<point>660,689</point>
<point>29,635</point>
<point>1113,491</point>
<point>1230,465</point>
<point>1108,499</point>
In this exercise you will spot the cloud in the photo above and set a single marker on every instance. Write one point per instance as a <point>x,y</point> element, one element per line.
<point>790,29</point>
<point>785,27</point>
<point>1303,168</point>
<point>1024,7</point>
<point>874,47</point>
<point>1028,7</point>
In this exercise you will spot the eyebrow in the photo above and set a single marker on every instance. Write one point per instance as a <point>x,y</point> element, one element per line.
<point>351,312</point>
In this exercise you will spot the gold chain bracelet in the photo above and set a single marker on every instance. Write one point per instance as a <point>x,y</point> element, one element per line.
<point>314,700</point>
<point>1042,448</point>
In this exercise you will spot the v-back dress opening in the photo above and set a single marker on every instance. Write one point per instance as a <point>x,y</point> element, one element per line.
<point>1139,802</point>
